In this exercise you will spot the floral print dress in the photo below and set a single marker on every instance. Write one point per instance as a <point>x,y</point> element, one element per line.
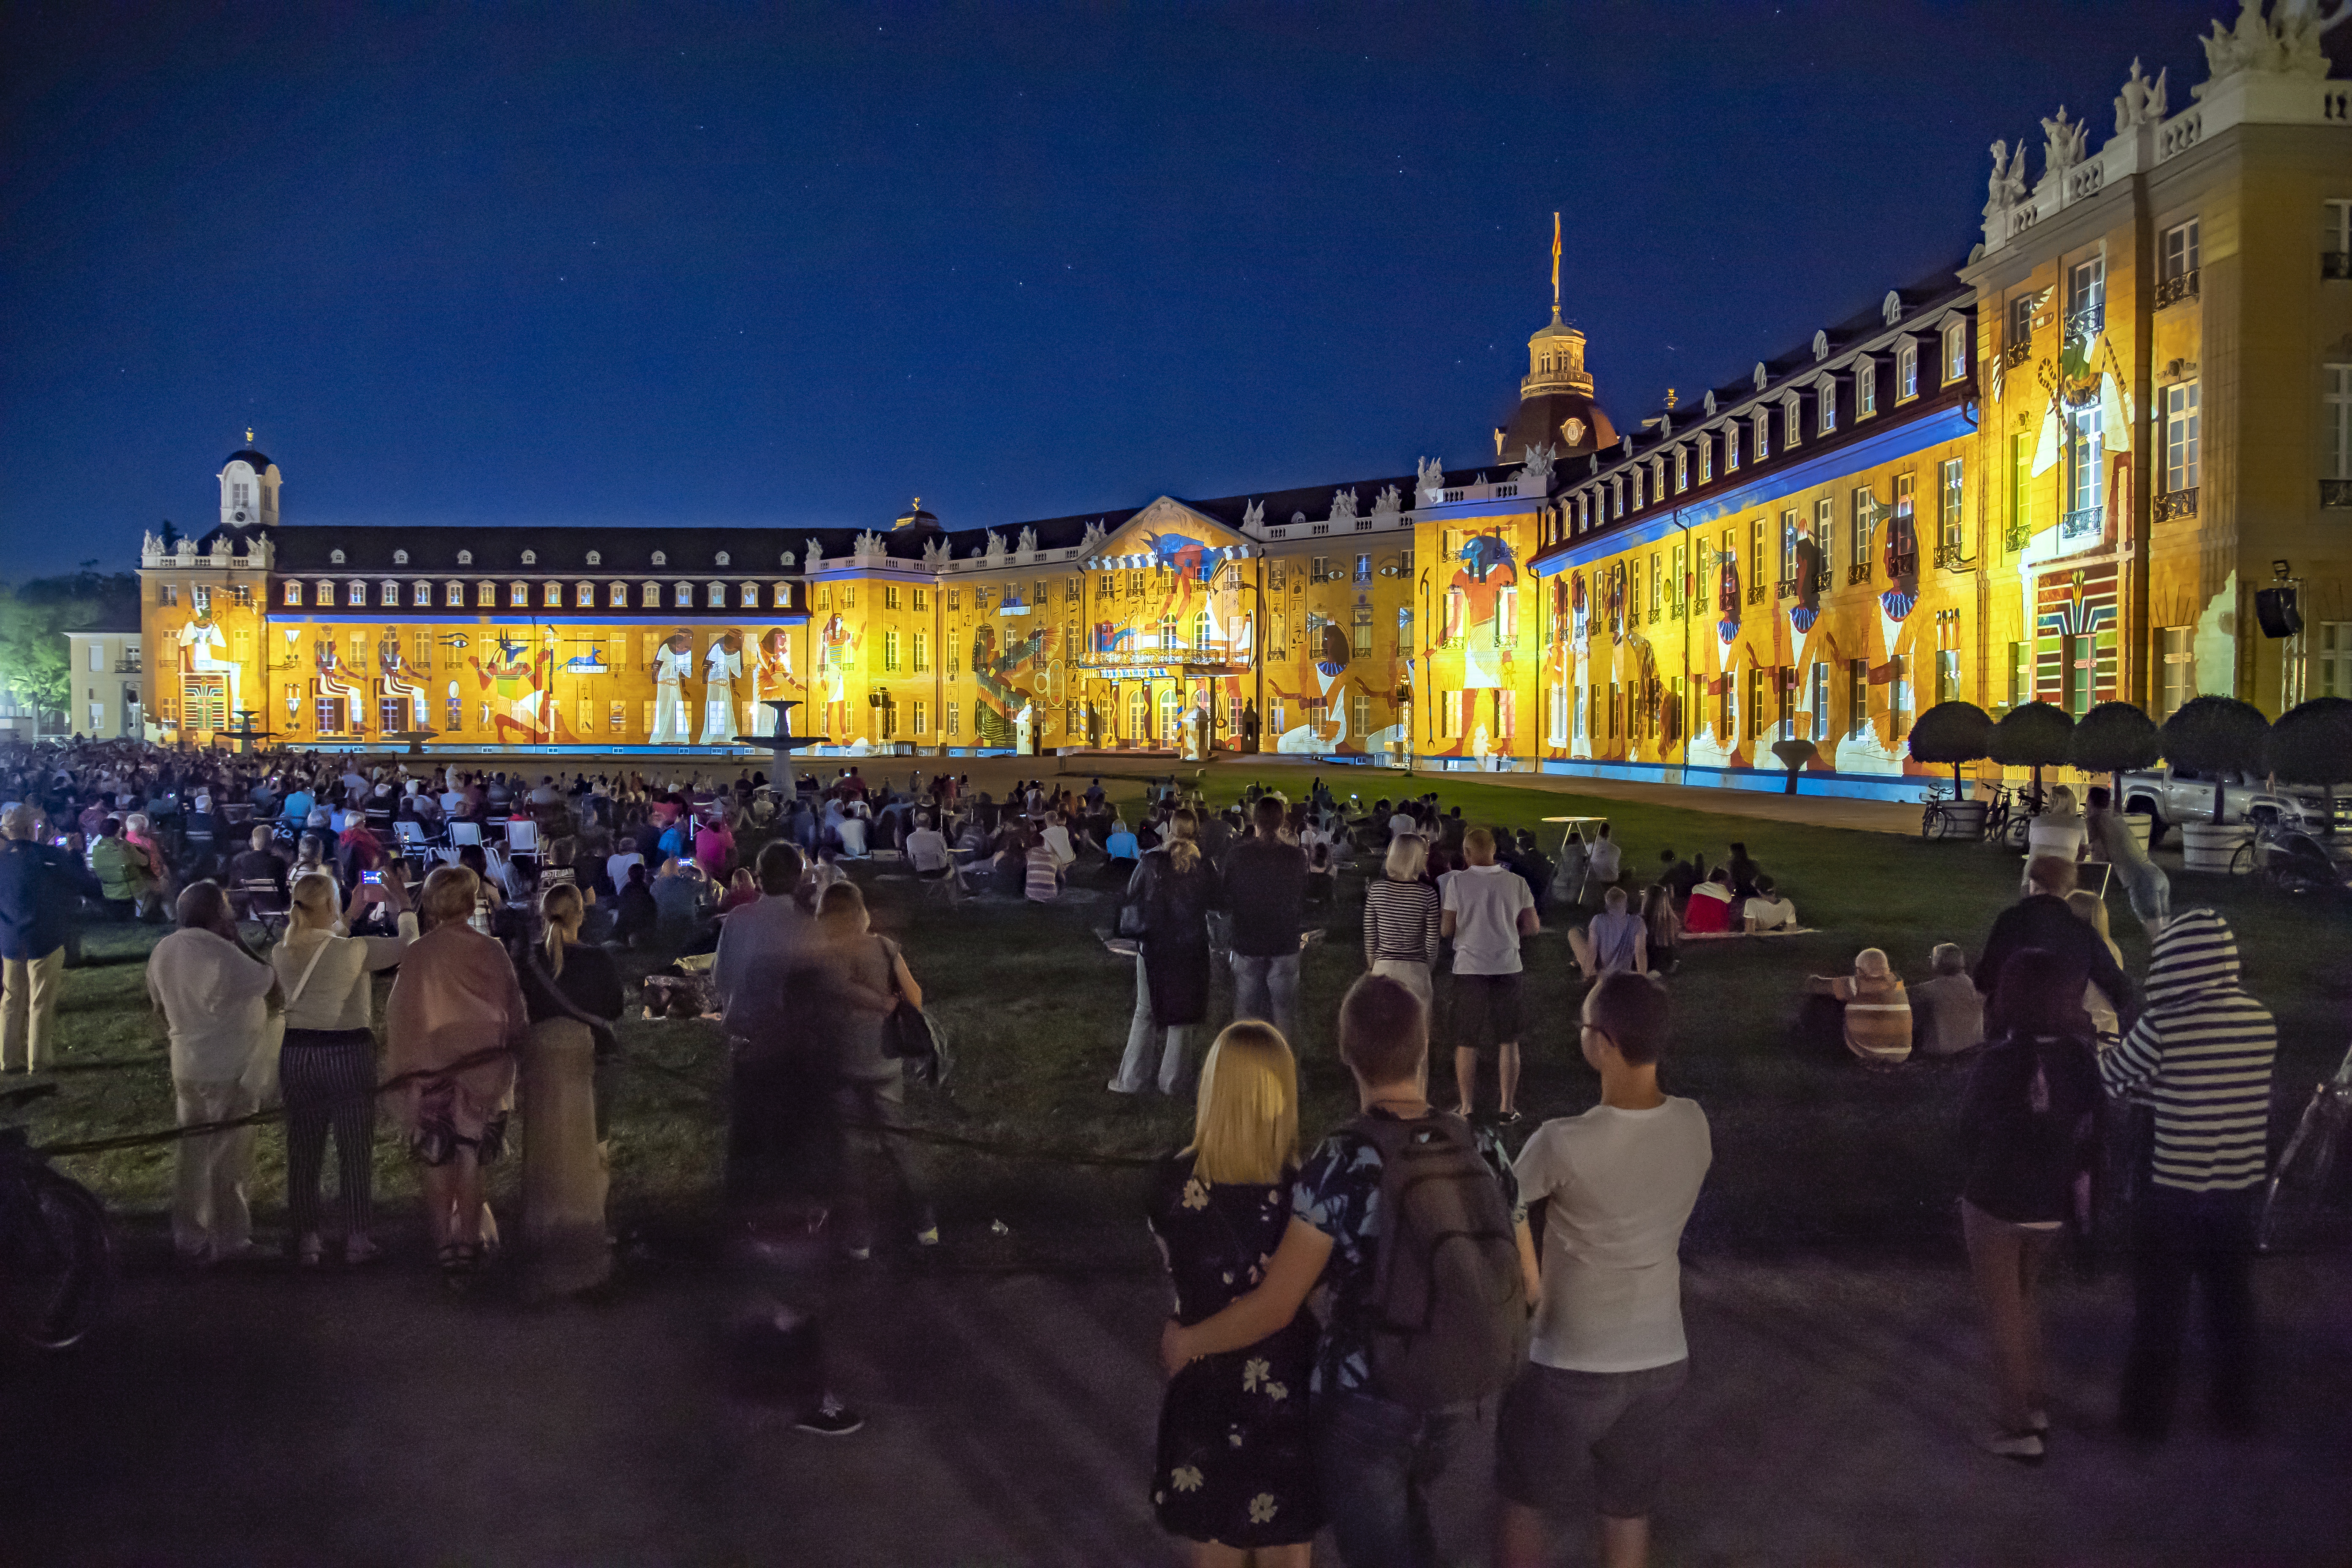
<point>1234,1465</point>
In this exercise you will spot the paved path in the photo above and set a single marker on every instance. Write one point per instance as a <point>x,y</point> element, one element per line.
<point>265,1418</point>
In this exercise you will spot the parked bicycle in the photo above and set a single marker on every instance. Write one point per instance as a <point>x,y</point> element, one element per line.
<point>1937,819</point>
<point>2299,1183</point>
<point>2282,856</point>
<point>57,1252</point>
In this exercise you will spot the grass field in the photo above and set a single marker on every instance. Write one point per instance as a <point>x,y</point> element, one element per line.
<point>1809,1147</point>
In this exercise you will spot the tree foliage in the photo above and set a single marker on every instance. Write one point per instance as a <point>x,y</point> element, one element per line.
<point>2115,738</point>
<point>2035,735</point>
<point>2312,743</point>
<point>1950,734</point>
<point>2211,733</point>
<point>35,616</point>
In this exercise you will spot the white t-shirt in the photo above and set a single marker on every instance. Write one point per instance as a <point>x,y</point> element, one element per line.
<point>1485,901</point>
<point>1770,914</point>
<point>616,867</point>
<point>1604,860</point>
<point>2062,839</point>
<point>1400,823</point>
<point>1621,1185</point>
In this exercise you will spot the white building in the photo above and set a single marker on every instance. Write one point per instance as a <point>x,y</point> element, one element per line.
<point>103,665</point>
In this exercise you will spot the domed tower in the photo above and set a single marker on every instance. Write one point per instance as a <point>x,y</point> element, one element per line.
<point>249,490</point>
<point>1556,406</point>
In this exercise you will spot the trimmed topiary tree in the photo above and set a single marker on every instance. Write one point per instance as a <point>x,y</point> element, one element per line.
<point>2209,734</point>
<point>2312,744</point>
<point>2036,735</point>
<point>1794,755</point>
<point>1951,734</point>
<point>2115,738</point>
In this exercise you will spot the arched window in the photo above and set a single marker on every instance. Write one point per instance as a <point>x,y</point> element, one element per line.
<point>334,558</point>
<point>1907,369</point>
<point>1201,632</point>
<point>399,558</point>
<point>595,558</point>
<point>530,557</point>
<point>464,558</point>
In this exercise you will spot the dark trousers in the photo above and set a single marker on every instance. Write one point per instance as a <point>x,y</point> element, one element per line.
<point>2180,1239</point>
<point>1375,1461</point>
<point>784,1136</point>
<point>328,1079</point>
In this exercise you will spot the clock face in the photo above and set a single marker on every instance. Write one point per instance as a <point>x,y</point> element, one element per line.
<point>240,517</point>
<point>1573,429</point>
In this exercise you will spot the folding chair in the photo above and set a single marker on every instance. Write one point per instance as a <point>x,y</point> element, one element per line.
<point>265,905</point>
<point>416,846</point>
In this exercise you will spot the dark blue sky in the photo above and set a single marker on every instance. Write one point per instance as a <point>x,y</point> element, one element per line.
<point>735,265</point>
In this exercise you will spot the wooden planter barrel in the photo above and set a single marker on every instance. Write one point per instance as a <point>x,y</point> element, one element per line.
<point>2205,847</point>
<point>1964,819</point>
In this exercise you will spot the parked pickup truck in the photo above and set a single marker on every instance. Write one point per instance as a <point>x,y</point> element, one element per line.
<point>2174,795</point>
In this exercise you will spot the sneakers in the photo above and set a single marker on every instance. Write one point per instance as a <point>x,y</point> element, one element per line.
<point>2024,1447</point>
<point>310,1251</point>
<point>358,1250</point>
<point>831,1418</point>
<point>1510,1118</point>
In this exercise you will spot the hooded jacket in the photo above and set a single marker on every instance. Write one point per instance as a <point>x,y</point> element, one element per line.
<point>2201,1052</point>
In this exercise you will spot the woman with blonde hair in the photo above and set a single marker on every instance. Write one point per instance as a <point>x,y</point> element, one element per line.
<point>573,996</point>
<point>2059,831</point>
<point>326,1070</point>
<point>1173,888</point>
<point>1236,1474</point>
<point>1401,917</point>
<point>2107,1026</point>
<point>453,1028</point>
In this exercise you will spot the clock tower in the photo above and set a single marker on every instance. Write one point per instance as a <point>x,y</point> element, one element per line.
<point>249,490</point>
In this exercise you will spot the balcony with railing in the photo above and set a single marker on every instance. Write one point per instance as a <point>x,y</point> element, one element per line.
<point>2174,289</point>
<point>1947,554</point>
<point>1857,573</point>
<point>1789,586</point>
<point>129,663</point>
<point>2015,537</point>
<point>2084,522</point>
<point>1756,592</point>
<point>2085,323</point>
<point>2018,353</point>
<point>2335,493</point>
<point>2171,504</point>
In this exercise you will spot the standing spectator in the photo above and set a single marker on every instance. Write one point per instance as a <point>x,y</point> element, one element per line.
<point>2042,920</point>
<point>2106,1024</point>
<point>1174,886</point>
<point>1617,939</point>
<point>1608,1360</point>
<point>1402,918</point>
<point>872,1095</point>
<point>453,1028</point>
<point>1605,862</point>
<point>1955,1014</point>
<point>216,999</point>
<point>1236,1472</point>
<point>1768,910</point>
<point>1486,911</point>
<point>326,1068</point>
<point>1877,1026</point>
<point>125,879</point>
<point>2145,883</point>
<point>571,994</point>
<point>2025,1131</point>
<point>40,889</point>
<point>1376,1455</point>
<point>2203,1052</point>
<point>1265,887</point>
<point>1662,928</point>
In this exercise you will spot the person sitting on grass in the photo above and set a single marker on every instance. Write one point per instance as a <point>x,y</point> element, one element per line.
<point>1877,1010</point>
<point>1616,941</point>
<point>1709,909</point>
<point>1662,928</point>
<point>1954,1020</point>
<point>638,912</point>
<point>1768,910</point>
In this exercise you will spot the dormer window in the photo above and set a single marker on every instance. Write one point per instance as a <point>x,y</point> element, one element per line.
<point>326,594</point>
<point>486,595</point>
<point>584,597</point>
<point>1825,404</point>
<point>1865,386</point>
<point>357,594</point>
<point>1907,369</point>
<point>552,596</point>
<point>391,594</point>
<point>334,558</point>
<point>651,598</point>
<point>619,597</point>
<point>684,600</point>
<point>1682,469</point>
<point>1763,433</point>
<point>750,599</point>
<point>1956,351</point>
<point>717,600</point>
<point>1731,447</point>
<point>595,558</point>
<point>422,596</point>
<point>661,558</point>
<point>1793,415</point>
<point>519,595</point>
<point>453,596</point>
<point>722,558</point>
<point>1705,459</point>
<point>464,558</point>
<point>293,593</point>
<point>399,558</point>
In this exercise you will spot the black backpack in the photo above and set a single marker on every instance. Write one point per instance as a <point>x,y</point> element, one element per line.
<point>1447,1318</point>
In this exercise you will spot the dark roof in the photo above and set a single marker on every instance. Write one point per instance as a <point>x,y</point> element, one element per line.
<point>1537,420</point>
<point>260,464</point>
<point>754,550</point>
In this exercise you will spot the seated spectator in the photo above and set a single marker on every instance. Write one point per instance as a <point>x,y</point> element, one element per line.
<point>1955,1011</point>
<point>927,851</point>
<point>1120,845</point>
<point>639,915</point>
<point>259,863</point>
<point>1709,908</point>
<point>1009,869</point>
<point>1041,875</point>
<point>1768,910</point>
<point>1617,941</point>
<point>1662,927</point>
<point>1569,871</point>
<point>1679,875</point>
<point>1320,875</point>
<point>1605,861</point>
<point>1744,872</point>
<point>124,877</point>
<point>1877,1009</point>
<point>1056,834</point>
<point>740,890</point>
<point>684,896</point>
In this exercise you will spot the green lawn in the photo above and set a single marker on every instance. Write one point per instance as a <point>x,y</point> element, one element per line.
<point>1809,1147</point>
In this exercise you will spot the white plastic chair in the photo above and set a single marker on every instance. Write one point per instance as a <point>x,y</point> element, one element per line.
<point>463,833</point>
<point>417,845</point>
<point>523,836</point>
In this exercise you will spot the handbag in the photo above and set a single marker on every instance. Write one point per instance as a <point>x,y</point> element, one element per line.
<point>910,1035</point>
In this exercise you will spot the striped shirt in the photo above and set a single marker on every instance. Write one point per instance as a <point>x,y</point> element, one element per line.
<point>1400,921</point>
<point>2202,1052</point>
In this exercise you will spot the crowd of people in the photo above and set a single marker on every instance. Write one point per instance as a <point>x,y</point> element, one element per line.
<point>1452,1273</point>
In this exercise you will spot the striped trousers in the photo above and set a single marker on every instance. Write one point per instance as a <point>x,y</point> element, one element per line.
<point>327,1078</point>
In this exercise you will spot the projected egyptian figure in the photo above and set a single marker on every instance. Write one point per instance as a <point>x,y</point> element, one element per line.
<point>670,666</point>
<point>722,667</point>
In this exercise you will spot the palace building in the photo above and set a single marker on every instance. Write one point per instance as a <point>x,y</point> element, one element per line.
<point>2106,456</point>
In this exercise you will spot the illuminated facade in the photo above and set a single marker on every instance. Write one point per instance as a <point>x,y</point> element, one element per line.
<point>2061,471</point>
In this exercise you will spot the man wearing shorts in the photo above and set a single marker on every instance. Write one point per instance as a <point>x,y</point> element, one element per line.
<point>1486,910</point>
<point>1607,1358</point>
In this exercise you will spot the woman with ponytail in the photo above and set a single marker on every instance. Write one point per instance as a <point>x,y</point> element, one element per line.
<point>573,996</point>
<point>1173,887</point>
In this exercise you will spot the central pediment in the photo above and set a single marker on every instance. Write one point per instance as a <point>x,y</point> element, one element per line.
<point>1166,535</point>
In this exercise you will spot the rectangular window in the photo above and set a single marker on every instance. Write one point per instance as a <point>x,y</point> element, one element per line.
<point>2339,232</point>
<point>2086,471</point>
<point>1899,694</point>
<point>1907,369</point>
<point>619,718</point>
<point>1756,701</point>
<point>922,719</point>
<point>889,595</point>
<point>1681,469</point>
<point>2335,423</point>
<point>955,658</point>
<point>1825,533</point>
<point>1866,387</point>
<point>923,653</point>
<point>1731,446</point>
<point>890,649</point>
<point>1791,422</point>
<point>2021,319</point>
<point>356,594</point>
<point>955,719</point>
<point>1818,699</point>
<point>2086,298</point>
<point>2183,444</point>
<point>1579,712</point>
<point>2335,661</point>
<point>1953,505</point>
<point>2020,674</point>
<point>1763,433</point>
<point>1956,351</point>
<point>1682,576</point>
<point>1657,578</point>
<point>1755,555</point>
<point>954,598</point>
<point>2180,251</point>
<point>2020,470</point>
<point>519,595</point>
<point>2176,674</point>
<point>1363,638</point>
<point>1857,696</point>
<point>1705,459</point>
<point>923,599</point>
<point>1787,571</point>
<point>168,594</point>
<point>1948,674</point>
<point>1826,400</point>
<point>293,593</point>
<point>97,658</point>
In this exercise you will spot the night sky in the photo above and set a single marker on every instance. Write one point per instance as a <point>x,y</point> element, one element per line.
<point>746,264</point>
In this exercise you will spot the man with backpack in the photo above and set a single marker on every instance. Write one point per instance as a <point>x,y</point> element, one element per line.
<point>1608,1358</point>
<point>1414,1218</point>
